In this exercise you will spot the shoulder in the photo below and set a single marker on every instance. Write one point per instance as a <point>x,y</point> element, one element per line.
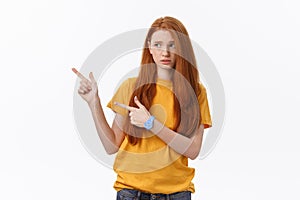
<point>202,89</point>
<point>128,83</point>
<point>131,80</point>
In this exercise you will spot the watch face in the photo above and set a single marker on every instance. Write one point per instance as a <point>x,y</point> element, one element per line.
<point>149,123</point>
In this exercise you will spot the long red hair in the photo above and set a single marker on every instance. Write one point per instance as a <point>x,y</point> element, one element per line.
<point>185,81</point>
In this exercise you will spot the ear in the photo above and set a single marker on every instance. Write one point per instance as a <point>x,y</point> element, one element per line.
<point>149,46</point>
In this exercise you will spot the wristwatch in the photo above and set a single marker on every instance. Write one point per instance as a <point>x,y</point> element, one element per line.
<point>149,123</point>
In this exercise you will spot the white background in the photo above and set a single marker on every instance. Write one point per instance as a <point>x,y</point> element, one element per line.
<point>254,45</point>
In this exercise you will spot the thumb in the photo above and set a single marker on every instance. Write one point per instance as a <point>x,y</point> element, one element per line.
<point>92,77</point>
<point>138,103</point>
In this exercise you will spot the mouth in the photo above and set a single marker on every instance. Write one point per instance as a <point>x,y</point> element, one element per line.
<point>165,61</point>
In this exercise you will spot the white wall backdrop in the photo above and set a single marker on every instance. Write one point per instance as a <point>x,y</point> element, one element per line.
<point>254,44</point>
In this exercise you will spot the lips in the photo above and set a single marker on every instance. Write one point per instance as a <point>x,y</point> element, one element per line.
<point>165,61</point>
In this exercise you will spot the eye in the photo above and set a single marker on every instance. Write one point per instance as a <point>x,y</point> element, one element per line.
<point>158,45</point>
<point>172,46</point>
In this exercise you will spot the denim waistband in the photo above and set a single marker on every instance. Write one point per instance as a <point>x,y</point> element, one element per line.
<point>136,194</point>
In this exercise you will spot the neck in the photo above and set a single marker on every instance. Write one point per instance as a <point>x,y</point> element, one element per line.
<point>165,74</point>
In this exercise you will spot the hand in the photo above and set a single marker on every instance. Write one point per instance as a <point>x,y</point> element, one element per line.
<point>138,116</point>
<point>88,89</point>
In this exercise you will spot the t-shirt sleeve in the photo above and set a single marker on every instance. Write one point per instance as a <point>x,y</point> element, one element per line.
<point>204,108</point>
<point>122,96</point>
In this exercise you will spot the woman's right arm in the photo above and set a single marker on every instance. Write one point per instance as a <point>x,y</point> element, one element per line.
<point>111,137</point>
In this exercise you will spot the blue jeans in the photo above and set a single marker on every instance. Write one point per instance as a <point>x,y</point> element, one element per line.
<point>127,194</point>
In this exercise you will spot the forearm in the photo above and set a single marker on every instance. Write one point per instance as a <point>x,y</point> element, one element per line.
<point>105,133</point>
<point>189,147</point>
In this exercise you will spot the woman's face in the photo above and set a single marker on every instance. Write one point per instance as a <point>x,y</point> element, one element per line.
<point>162,48</point>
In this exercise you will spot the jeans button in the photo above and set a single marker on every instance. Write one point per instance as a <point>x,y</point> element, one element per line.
<point>153,196</point>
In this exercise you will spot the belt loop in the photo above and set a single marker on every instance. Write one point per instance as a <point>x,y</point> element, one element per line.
<point>138,195</point>
<point>168,197</point>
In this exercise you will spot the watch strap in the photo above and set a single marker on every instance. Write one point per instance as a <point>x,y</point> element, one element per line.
<point>149,123</point>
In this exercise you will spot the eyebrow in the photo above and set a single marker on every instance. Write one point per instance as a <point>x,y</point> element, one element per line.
<point>162,41</point>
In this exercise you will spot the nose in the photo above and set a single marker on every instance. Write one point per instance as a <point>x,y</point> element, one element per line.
<point>165,51</point>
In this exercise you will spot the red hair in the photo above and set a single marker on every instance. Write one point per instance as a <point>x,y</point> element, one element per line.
<point>185,81</point>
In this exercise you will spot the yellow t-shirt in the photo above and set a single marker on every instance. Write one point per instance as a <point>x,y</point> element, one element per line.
<point>151,165</point>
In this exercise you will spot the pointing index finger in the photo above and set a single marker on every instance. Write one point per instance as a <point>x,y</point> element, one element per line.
<point>125,106</point>
<point>79,74</point>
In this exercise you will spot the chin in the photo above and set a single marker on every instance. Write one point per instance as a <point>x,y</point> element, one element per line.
<point>167,66</point>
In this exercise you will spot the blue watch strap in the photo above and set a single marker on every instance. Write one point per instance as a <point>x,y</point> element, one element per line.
<point>149,123</point>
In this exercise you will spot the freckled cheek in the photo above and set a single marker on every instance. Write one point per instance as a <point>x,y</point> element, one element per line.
<point>173,57</point>
<point>156,57</point>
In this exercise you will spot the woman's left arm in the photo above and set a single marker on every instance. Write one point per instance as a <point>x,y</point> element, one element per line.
<point>189,147</point>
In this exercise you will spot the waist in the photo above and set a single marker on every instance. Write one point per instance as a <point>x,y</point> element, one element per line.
<point>129,193</point>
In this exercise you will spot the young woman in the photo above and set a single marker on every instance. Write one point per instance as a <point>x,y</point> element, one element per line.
<point>160,117</point>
